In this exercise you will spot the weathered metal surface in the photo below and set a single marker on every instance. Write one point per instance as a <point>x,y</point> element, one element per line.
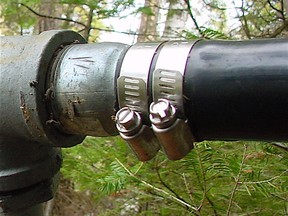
<point>28,161</point>
<point>83,88</point>
<point>24,64</point>
<point>26,202</point>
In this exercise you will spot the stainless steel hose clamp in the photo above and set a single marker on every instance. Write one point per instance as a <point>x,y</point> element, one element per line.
<point>167,115</point>
<point>167,81</point>
<point>169,125</point>
<point>132,83</point>
<point>132,119</point>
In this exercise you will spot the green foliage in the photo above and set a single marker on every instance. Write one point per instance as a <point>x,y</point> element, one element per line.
<point>213,34</point>
<point>146,10</point>
<point>15,21</point>
<point>201,183</point>
<point>22,16</point>
<point>208,33</point>
<point>216,178</point>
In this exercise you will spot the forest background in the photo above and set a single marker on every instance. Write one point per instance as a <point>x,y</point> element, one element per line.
<point>101,176</point>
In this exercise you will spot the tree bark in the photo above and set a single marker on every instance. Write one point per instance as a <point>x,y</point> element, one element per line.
<point>176,19</point>
<point>89,24</point>
<point>48,7</point>
<point>148,24</point>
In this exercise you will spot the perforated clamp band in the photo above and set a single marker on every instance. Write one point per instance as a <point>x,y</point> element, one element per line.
<point>167,81</point>
<point>133,80</point>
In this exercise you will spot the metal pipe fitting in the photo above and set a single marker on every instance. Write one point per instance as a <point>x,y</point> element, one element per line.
<point>29,161</point>
<point>140,137</point>
<point>83,88</point>
<point>25,64</point>
<point>55,90</point>
<point>173,133</point>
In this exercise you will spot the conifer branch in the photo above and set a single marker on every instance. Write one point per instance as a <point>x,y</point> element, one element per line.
<point>204,184</point>
<point>170,196</point>
<point>265,181</point>
<point>187,188</point>
<point>237,180</point>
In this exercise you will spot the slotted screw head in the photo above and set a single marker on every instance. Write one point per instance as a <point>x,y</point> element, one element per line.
<point>127,118</point>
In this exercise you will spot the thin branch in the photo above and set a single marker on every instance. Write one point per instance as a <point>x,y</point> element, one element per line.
<point>84,25</point>
<point>167,186</point>
<point>265,181</point>
<point>274,8</point>
<point>276,33</point>
<point>52,17</point>
<point>281,146</point>
<point>128,32</point>
<point>279,197</point>
<point>204,188</point>
<point>279,30</point>
<point>237,180</point>
<point>68,199</point>
<point>245,25</point>
<point>187,188</point>
<point>193,18</point>
<point>156,188</point>
<point>89,24</point>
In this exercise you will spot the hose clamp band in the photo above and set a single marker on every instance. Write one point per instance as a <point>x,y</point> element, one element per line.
<point>132,83</point>
<point>167,80</point>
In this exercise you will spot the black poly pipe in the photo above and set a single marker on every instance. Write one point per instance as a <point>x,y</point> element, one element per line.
<point>238,90</point>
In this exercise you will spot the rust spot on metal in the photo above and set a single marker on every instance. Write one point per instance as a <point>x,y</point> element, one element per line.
<point>70,110</point>
<point>23,107</point>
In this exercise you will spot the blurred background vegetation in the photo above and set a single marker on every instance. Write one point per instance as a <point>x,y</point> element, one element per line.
<point>101,176</point>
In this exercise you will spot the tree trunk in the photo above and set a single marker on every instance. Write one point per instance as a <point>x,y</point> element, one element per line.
<point>48,7</point>
<point>87,30</point>
<point>176,19</point>
<point>148,25</point>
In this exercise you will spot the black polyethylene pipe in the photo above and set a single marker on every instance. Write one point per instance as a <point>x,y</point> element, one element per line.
<point>238,90</point>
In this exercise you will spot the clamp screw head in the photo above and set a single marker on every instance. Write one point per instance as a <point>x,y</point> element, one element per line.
<point>162,112</point>
<point>160,109</point>
<point>127,119</point>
